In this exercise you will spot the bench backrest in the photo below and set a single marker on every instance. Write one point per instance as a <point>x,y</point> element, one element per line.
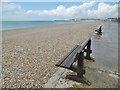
<point>66,56</point>
<point>70,58</point>
<point>84,44</point>
<point>99,29</point>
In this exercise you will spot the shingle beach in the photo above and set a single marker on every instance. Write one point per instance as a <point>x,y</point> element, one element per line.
<point>29,55</point>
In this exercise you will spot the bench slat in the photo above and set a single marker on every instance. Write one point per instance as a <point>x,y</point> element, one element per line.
<point>85,42</point>
<point>70,59</point>
<point>62,60</point>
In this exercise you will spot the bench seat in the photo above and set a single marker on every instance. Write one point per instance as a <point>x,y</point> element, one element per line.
<point>69,59</point>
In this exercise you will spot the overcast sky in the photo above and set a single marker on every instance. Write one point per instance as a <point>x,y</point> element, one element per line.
<point>58,10</point>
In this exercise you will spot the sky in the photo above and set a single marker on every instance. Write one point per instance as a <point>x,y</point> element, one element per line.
<point>57,10</point>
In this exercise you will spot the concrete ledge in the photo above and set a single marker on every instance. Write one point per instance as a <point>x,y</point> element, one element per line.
<point>53,80</point>
<point>98,77</point>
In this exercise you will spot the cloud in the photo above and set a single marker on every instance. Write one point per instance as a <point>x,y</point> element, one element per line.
<point>10,6</point>
<point>7,0</point>
<point>90,9</point>
<point>104,10</point>
<point>62,10</point>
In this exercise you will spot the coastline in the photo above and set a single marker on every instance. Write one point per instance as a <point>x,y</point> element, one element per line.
<point>30,54</point>
<point>10,25</point>
<point>47,25</point>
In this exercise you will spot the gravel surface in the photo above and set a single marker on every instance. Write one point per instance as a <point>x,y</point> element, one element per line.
<point>29,55</point>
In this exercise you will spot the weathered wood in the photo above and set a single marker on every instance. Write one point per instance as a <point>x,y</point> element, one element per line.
<point>99,29</point>
<point>70,59</point>
<point>77,70</point>
<point>80,63</point>
<point>84,44</point>
<point>77,54</point>
<point>63,59</point>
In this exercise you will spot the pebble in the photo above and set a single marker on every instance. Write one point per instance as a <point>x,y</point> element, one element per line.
<point>114,76</point>
<point>100,72</point>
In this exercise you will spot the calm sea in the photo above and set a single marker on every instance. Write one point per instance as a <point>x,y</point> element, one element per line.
<point>9,25</point>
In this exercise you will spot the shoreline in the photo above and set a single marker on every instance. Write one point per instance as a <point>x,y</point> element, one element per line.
<point>50,25</point>
<point>38,27</point>
<point>29,55</point>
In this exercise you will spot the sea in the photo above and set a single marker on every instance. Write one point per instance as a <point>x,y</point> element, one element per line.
<point>10,25</point>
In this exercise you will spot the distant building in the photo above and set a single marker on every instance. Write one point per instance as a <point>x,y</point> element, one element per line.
<point>113,19</point>
<point>78,19</point>
<point>75,19</point>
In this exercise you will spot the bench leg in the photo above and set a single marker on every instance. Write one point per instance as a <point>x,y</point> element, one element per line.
<point>80,65</point>
<point>88,52</point>
<point>79,79</point>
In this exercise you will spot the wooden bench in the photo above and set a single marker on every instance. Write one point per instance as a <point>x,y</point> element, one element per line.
<point>99,30</point>
<point>77,54</point>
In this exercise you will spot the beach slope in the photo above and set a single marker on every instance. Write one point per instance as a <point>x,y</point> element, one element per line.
<point>29,55</point>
